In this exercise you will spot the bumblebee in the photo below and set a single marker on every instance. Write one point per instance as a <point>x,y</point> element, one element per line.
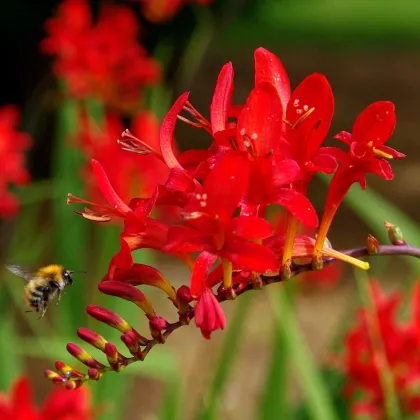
<point>43,285</point>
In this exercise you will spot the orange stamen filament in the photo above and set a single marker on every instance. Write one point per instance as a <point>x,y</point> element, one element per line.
<point>291,230</point>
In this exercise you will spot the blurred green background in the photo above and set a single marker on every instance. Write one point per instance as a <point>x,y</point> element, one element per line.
<point>268,364</point>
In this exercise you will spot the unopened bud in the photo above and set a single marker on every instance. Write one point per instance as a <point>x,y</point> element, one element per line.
<point>394,234</point>
<point>94,374</point>
<point>184,294</point>
<point>372,245</point>
<point>157,324</point>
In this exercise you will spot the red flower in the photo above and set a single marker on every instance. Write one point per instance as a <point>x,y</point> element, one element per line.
<point>212,226</point>
<point>59,405</point>
<point>13,144</point>
<point>102,59</point>
<point>400,343</point>
<point>373,127</point>
<point>209,315</point>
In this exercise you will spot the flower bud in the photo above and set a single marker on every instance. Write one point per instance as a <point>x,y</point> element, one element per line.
<point>394,234</point>
<point>94,374</point>
<point>157,324</point>
<point>112,355</point>
<point>83,356</point>
<point>184,295</point>
<point>372,245</point>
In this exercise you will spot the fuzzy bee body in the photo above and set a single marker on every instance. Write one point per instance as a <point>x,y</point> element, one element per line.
<point>42,285</point>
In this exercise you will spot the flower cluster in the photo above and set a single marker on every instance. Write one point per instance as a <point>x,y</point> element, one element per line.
<point>59,405</point>
<point>400,342</point>
<point>102,59</point>
<point>263,152</point>
<point>13,144</point>
<point>163,10</point>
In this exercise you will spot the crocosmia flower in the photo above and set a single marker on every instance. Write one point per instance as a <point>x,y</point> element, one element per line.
<point>398,341</point>
<point>263,152</point>
<point>367,154</point>
<point>102,58</point>
<point>59,404</point>
<point>13,144</point>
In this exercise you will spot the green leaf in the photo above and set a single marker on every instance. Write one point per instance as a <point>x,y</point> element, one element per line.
<point>171,402</point>
<point>227,357</point>
<point>317,397</point>
<point>70,232</point>
<point>274,395</point>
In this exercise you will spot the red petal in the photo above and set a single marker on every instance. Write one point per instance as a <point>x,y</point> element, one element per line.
<point>285,172</point>
<point>382,168</point>
<point>180,181</point>
<point>209,315</point>
<point>226,184</point>
<point>144,206</point>
<point>63,404</point>
<point>22,406</point>
<point>201,270</point>
<point>222,99</point>
<point>250,227</point>
<point>250,256</point>
<point>308,135</point>
<point>261,121</point>
<point>375,124</point>
<point>185,239</point>
<point>142,274</point>
<point>268,68</point>
<point>192,158</point>
<point>344,136</point>
<point>415,309</point>
<point>167,132</point>
<point>297,204</point>
<point>324,162</point>
<point>108,192</point>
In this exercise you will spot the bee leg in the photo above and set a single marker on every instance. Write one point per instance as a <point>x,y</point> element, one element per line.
<point>56,286</point>
<point>44,303</point>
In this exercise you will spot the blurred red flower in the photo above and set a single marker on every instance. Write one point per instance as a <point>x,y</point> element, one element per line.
<point>59,404</point>
<point>162,10</point>
<point>103,58</point>
<point>13,144</point>
<point>400,342</point>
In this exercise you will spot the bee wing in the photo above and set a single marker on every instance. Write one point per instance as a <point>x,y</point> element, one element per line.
<point>19,271</point>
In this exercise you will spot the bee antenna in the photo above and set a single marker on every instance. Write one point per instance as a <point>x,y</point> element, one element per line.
<point>76,271</point>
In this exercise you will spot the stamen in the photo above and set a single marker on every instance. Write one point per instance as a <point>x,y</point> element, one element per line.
<point>303,117</point>
<point>380,153</point>
<point>131,143</point>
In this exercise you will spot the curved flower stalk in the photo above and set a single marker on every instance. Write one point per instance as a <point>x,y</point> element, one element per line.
<point>263,152</point>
